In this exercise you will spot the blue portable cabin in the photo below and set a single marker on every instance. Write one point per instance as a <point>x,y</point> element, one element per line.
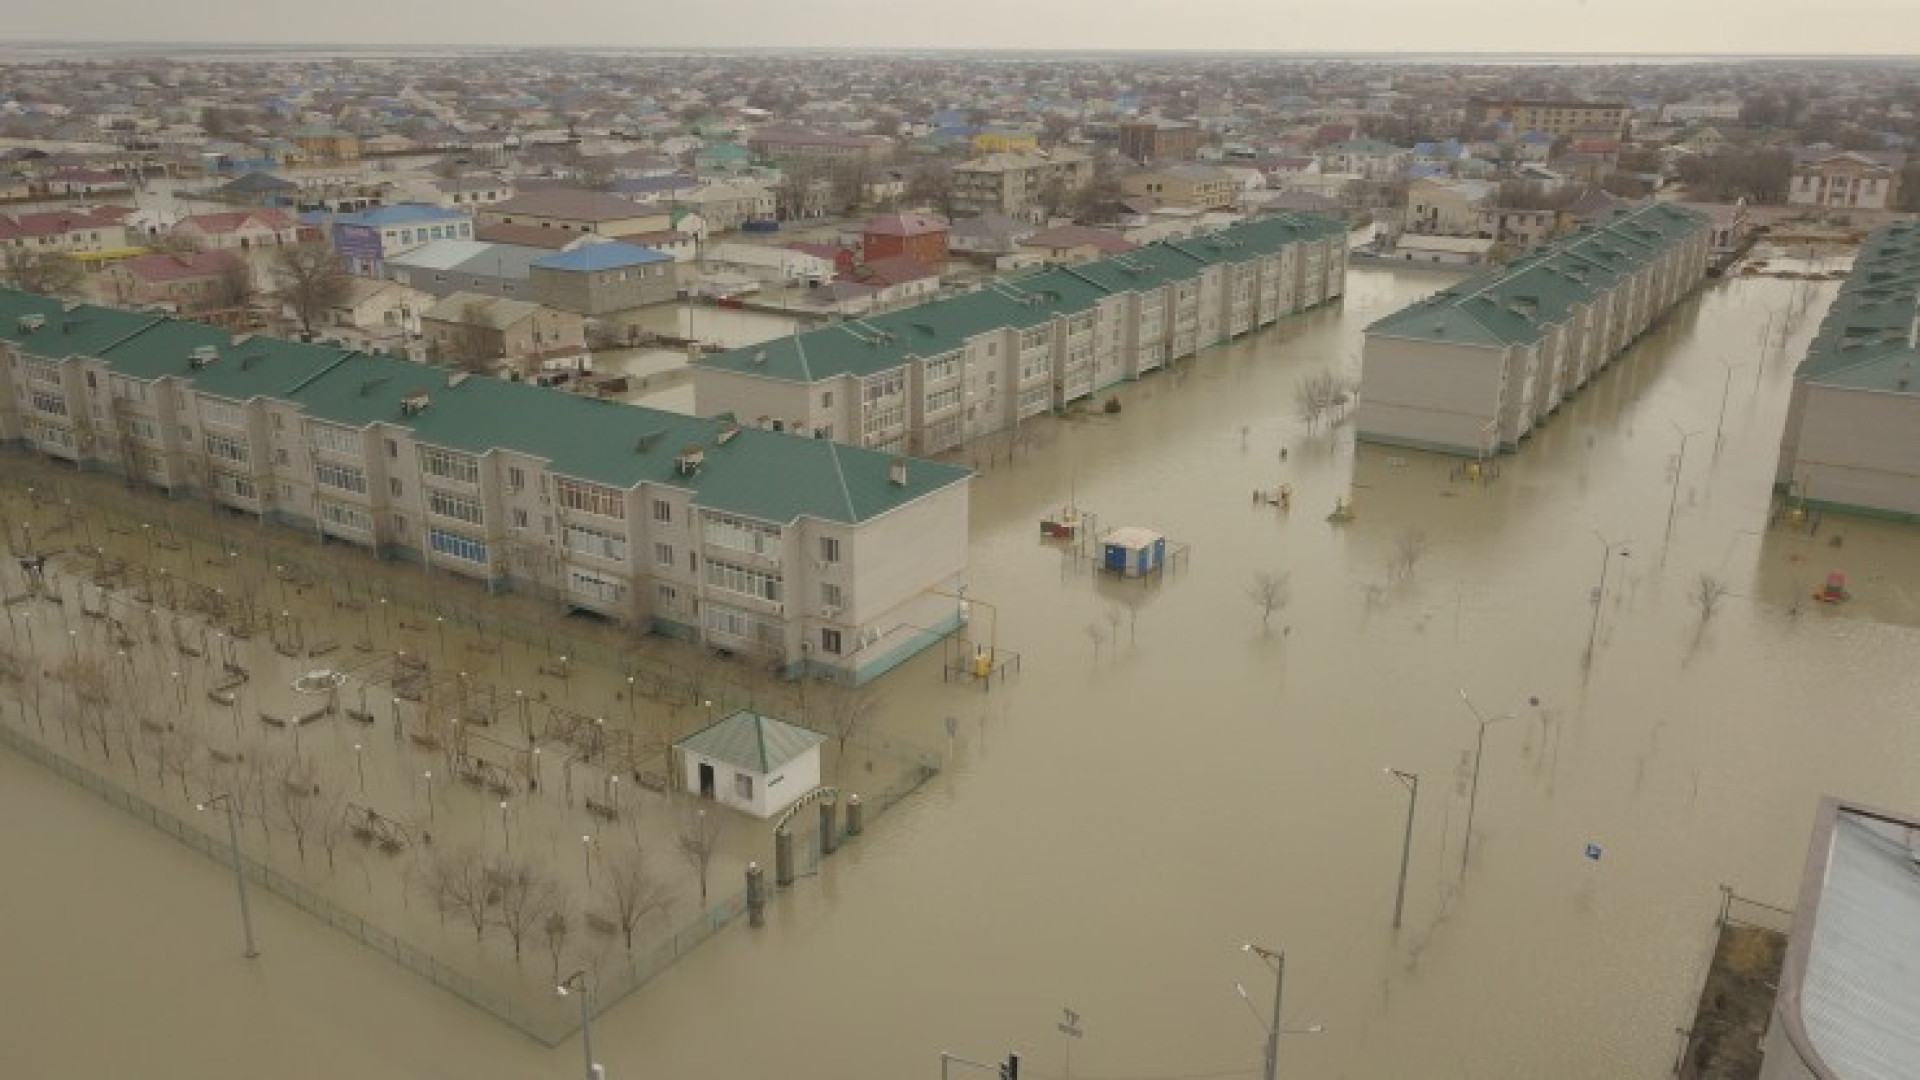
<point>1132,551</point>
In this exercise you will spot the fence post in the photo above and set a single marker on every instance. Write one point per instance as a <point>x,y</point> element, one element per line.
<point>854,815</point>
<point>782,859</point>
<point>829,835</point>
<point>756,895</point>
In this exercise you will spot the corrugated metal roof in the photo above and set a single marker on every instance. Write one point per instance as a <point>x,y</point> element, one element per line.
<point>1867,339</point>
<point>747,740</point>
<point>1860,998</point>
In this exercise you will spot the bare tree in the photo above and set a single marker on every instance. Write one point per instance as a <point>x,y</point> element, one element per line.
<point>1408,549</point>
<point>699,840</point>
<point>296,795</point>
<point>48,273</point>
<point>555,928</point>
<point>311,279</point>
<point>629,886</point>
<point>1317,395</point>
<point>1114,617</point>
<point>90,685</point>
<point>455,881</point>
<point>848,710</point>
<point>1096,634</point>
<point>1707,594</point>
<point>330,820</point>
<point>525,896</point>
<point>1269,593</point>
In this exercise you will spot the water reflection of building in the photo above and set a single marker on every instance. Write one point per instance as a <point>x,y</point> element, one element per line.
<point>1472,369</point>
<point>1852,437</point>
<point>793,551</point>
<point>930,378</point>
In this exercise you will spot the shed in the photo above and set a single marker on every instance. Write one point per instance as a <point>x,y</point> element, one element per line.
<point>751,762</point>
<point>1132,551</point>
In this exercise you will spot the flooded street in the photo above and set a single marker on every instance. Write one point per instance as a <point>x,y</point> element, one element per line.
<point>1166,778</point>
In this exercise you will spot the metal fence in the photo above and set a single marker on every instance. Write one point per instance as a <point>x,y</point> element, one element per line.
<point>551,1025</point>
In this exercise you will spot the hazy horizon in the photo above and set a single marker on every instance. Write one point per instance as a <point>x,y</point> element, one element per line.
<point>1640,28</point>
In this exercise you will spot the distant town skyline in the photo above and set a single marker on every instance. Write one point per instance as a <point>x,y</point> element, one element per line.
<point>1556,27</point>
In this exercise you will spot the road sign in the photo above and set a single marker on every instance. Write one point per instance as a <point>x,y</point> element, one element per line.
<point>1593,852</point>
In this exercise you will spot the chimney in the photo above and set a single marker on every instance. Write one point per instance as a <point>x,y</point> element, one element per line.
<point>897,472</point>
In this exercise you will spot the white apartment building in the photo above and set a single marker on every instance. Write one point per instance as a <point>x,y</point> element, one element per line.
<point>816,557</point>
<point>1474,368</point>
<point>933,377</point>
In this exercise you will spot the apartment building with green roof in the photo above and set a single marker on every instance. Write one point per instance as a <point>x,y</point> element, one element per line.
<point>931,378</point>
<point>1852,436</point>
<point>1474,368</point>
<point>820,557</point>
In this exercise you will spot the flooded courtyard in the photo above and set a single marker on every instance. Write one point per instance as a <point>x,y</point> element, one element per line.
<point>1174,771</point>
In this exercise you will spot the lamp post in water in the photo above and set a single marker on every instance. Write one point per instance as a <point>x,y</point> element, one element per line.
<point>1411,781</point>
<point>239,875</point>
<point>577,983</point>
<point>1270,1067</point>
<point>1473,792</point>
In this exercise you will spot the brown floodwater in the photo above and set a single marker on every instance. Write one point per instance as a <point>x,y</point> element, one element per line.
<point>1166,778</point>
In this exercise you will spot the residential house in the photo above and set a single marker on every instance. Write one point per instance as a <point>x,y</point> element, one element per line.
<point>1850,179</point>
<point>198,285</point>
<point>726,205</point>
<point>769,265</point>
<point>819,559</point>
<point>1026,186</point>
<point>1517,228</point>
<point>897,279</point>
<point>84,183</point>
<point>444,267</point>
<point>73,232</point>
<point>1447,207</point>
<point>324,143</point>
<point>1192,187</point>
<point>1474,368</point>
<point>239,230</point>
<point>989,235</point>
<point>476,329</point>
<point>367,239</point>
<point>804,146</point>
<point>1554,117</point>
<point>603,278</point>
<point>1004,141</point>
<point>378,315</point>
<point>1154,139</point>
<point>575,210</point>
<point>915,235</point>
<point>1369,159</point>
<point>1064,245</point>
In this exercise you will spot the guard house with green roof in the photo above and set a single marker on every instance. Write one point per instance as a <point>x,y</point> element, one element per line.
<point>1472,369</point>
<point>1852,436</point>
<point>801,553</point>
<point>753,763</point>
<point>931,378</point>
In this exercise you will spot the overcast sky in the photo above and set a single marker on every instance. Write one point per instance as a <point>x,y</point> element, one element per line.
<point>1558,26</point>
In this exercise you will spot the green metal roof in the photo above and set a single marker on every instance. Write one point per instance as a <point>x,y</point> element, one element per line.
<point>747,471</point>
<point>1867,341</point>
<point>747,740</point>
<point>1517,302</point>
<point>864,347</point>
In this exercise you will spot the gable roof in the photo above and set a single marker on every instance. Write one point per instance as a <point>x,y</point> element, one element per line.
<point>747,740</point>
<point>177,267</point>
<point>1870,337</point>
<point>577,204</point>
<point>588,258</point>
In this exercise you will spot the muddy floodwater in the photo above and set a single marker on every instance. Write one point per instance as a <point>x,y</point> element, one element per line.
<point>1167,778</point>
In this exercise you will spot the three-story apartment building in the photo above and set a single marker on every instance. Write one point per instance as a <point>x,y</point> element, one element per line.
<point>813,556</point>
<point>931,378</point>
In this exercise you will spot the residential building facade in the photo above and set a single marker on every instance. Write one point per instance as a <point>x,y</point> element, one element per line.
<point>1153,139</point>
<point>1852,436</point>
<point>1558,118</point>
<point>1849,179</point>
<point>1474,368</point>
<point>931,378</point>
<point>367,239</point>
<point>1189,187</point>
<point>807,555</point>
<point>1016,184</point>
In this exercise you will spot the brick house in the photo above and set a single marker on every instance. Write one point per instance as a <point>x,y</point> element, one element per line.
<point>917,236</point>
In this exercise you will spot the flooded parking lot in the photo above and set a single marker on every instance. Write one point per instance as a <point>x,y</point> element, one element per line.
<point>1168,777</point>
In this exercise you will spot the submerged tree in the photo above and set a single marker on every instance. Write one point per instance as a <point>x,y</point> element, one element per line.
<point>699,841</point>
<point>1269,593</point>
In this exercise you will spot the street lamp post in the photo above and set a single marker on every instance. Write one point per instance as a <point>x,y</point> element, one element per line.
<point>1411,781</point>
<point>1270,1067</point>
<point>1725,386</point>
<point>239,874</point>
<point>1473,791</point>
<point>428,775</point>
<point>360,764</point>
<point>1673,500</point>
<point>578,982</point>
<point>1600,590</point>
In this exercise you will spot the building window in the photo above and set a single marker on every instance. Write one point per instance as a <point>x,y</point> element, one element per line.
<point>347,517</point>
<point>520,518</point>
<point>830,594</point>
<point>662,510</point>
<point>592,499</point>
<point>458,507</point>
<point>334,440</point>
<point>227,447</point>
<point>830,549</point>
<point>343,477</point>
<point>830,641</point>
<point>663,554</point>
<point>594,587</point>
<point>739,579</point>
<point>460,547</point>
<point>594,542</point>
<point>742,786</point>
<point>460,468</point>
<point>50,402</point>
<point>741,534</point>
